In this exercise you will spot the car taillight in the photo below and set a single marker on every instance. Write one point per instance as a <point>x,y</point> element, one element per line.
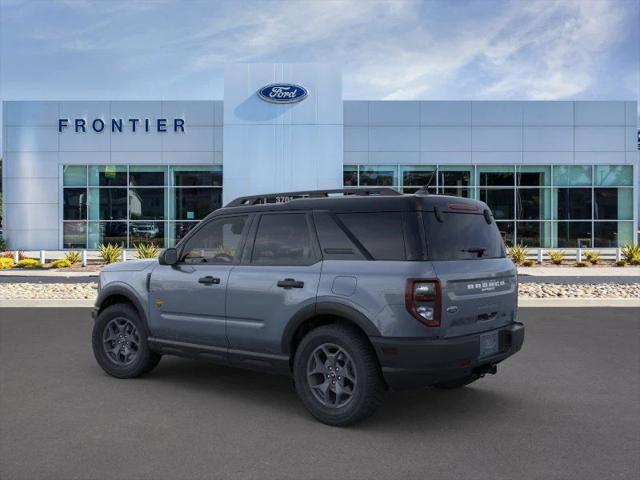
<point>422,299</point>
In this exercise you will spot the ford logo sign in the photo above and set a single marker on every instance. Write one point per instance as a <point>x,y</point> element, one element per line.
<point>283,93</point>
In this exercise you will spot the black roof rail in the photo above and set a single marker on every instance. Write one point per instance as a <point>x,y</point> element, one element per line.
<point>285,197</point>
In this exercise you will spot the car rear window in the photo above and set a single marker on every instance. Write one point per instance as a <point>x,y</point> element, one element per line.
<point>379,233</point>
<point>462,236</point>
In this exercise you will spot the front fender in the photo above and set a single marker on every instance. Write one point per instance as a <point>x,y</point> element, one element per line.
<point>124,290</point>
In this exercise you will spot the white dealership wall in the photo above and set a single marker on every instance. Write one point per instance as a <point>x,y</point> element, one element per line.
<point>34,153</point>
<point>269,148</point>
<point>277,148</point>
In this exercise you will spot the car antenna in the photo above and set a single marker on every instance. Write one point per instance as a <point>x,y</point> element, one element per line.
<point>424,190</point>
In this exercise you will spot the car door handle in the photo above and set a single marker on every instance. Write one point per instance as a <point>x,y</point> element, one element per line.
<point>209,280</point>
<point>290,283</point>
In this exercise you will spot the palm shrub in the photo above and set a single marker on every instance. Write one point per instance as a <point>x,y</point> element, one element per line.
<point>73,257</point>
<point>592,257</point>
<point>147,250</point>
<point>29,263</point>
<point>518,253</point>
<point>556,256</point>
<point>109,253</point>
<point>582,263</point>
<point>621,263</point>
<point>6,262</point>
<point>631,253</point>
<point>62,263</point>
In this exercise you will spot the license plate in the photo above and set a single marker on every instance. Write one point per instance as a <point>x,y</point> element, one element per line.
<point>489,344</point>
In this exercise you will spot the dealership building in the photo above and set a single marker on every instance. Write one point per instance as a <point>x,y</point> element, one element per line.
<point>79,173</point>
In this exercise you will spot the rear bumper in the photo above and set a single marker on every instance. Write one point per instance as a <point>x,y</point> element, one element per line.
<point>414,363</point>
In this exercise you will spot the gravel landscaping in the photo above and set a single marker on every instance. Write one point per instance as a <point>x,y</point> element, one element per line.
<point>79,291</point>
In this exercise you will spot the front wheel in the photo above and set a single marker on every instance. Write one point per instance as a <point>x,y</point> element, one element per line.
<point>337,375</point>
<point>120,343</point>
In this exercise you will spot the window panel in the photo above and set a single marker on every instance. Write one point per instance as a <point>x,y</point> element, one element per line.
<point>108,176</point>
<point>533,203</point>
<point>75,204</point>
<point>283,239</point>
<point>500,201</point>
<point>572,175</point>
<point>107,204</point>
<point>530,234</point>
<point>217,242</point>
<point>378,176</point>
<point>534,176</point>
<point>385,241</point>
<point>456,191</point>
<point>146,232</point>
<point>147,175</point>
<point>614,175</point>
<point>146,203</point>
<point>410,190</point>
<point>455,175</point>
<point>350,176</point>
<point>114,233</point>
<point>195,203</point>
<point>74,176</point>
<point>196,176</point>
<point>506,230</point>
<point>178,230</point>
<point>418,175</point>
<point>496,175</point>
<point>573,234</point>
<point>613,203</point>
<point>74,235</point>
<point>573,203</point>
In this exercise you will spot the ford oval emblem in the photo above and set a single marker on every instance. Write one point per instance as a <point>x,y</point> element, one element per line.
<point>452,309</point>
<point>283,93</point>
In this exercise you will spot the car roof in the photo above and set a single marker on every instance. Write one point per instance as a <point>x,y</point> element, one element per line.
<point>357,203</point>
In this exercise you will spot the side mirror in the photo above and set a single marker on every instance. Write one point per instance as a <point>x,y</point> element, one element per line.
<point>168,256</point>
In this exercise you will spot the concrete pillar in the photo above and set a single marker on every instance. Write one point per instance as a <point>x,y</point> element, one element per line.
<point>84,258</point>
<point>42,259</point>
<point>124,255</point>
<point>578,255</point>
<point>618,254</point>
<point>16,256</point>
<point>540,255</point>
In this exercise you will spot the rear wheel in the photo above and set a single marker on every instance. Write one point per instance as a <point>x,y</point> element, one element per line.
<point>337,375</point>
<point>453,384</point>
<point>120,343</point>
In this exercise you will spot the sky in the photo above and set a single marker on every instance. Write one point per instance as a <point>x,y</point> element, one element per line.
<point>400,50</point>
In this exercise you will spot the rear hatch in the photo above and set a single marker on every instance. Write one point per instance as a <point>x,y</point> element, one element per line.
<point>478,283</point>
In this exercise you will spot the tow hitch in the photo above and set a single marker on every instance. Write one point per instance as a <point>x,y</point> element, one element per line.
<point>483,370</point>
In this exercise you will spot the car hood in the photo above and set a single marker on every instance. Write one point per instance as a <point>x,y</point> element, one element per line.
<point>130,266</point>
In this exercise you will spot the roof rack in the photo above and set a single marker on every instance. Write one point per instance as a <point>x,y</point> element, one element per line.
<point>285,197</point>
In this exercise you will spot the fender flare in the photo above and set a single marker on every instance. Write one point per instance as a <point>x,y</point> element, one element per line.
<point>124,291</point>
<point>327,308</point>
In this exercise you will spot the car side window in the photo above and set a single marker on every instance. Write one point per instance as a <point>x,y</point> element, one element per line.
<point>283,239</point>
<point>217,242</point>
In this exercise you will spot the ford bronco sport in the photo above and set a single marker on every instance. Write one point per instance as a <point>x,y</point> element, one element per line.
<point>351,292</point>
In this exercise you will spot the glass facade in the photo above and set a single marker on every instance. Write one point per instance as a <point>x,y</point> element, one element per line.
<point>549,206</point>
<point>132,204</point>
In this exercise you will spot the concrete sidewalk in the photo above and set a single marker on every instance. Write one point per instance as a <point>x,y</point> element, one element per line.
<point>37,272</point>
<point>580,272</point>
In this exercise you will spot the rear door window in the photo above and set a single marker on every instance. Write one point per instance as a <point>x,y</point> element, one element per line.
<point>462,236</point>
<point>380,233</point>
<point>283,239</point>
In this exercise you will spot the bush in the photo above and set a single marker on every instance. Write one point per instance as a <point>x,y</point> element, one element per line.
<point>61,264</point>
<point>592,257</point>
<point>621,263</point>
<point>527,263</point>
<point>146,250</point>
<point>6,263</point>
<point>110,253</point>
<point>9,254</point>
<point>556,256</point>
<point>631,253</point>
<point>518,253</point>
<point>29,263</point>
<point>582,264</point>
<point>3,244</point>
<point>73,257</point>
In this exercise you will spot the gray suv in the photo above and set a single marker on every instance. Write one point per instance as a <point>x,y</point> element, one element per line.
<point>351,292</point>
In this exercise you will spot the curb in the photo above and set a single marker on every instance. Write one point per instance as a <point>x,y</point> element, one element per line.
<point>45,303</point>
<point>577,302</point>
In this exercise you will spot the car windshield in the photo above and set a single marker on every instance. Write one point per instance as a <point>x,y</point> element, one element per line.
<point>462,236</point>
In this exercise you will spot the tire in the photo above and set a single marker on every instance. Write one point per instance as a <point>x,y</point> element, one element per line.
<point>125,330</point>
<point>360,379</point>
<point>453,384</point>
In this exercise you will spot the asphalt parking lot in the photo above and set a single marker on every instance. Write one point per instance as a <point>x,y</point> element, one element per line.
<point>566,407</point>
